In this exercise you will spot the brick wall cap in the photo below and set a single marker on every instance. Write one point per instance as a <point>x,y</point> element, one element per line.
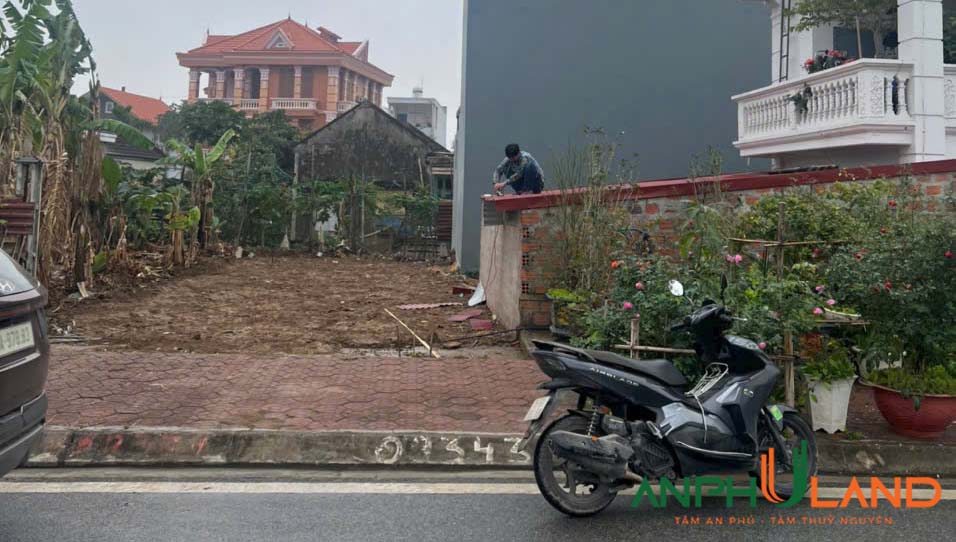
<point>735,182</point>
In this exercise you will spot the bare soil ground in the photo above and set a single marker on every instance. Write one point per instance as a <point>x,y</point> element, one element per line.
<point>293,304</point>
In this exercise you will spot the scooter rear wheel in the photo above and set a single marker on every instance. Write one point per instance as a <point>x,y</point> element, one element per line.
<point>557,481</point>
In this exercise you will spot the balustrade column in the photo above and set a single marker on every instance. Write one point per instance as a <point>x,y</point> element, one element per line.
<point>193,86</point>
<point>263,89</point>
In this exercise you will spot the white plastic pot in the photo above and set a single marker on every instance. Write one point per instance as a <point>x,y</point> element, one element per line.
<point>829,403</point>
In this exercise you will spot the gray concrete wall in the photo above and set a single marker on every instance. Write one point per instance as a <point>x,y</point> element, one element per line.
<point>537,72</point>
<point>501,268</point>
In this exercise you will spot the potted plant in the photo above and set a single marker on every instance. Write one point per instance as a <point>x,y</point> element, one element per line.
<point>830,376</point>
<point>919,405</point>
<point>901,276</point>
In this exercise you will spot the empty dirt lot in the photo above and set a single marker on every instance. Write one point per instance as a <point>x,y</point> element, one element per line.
<point>285,304</point>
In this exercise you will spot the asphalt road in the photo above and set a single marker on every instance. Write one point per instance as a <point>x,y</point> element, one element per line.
<point>226,505</point>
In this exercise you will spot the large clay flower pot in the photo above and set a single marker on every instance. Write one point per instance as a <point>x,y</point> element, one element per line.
<point>829,402</point>
<point>935,414</point>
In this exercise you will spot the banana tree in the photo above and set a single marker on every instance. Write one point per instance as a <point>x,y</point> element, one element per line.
<point>178,220</point>
<point>200,163</point>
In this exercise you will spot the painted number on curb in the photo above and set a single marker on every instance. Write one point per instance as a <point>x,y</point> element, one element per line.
<point>450,450</point>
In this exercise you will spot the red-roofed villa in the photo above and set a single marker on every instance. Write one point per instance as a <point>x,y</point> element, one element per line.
<point>311,74</point>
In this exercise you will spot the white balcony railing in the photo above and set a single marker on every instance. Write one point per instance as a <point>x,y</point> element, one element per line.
<point>868,97</point>
<point>293,103</point>
<point>249,104</point>
<point>345,106</point>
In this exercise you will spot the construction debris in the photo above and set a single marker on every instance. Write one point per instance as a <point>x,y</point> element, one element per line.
<point>467,315</point>
<point>481,325</point>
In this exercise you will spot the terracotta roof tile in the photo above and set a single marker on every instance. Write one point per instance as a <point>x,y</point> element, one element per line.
<point>142,107</point>
<point>302,37</point>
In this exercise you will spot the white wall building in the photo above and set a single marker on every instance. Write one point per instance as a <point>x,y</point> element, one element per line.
<point>897,108</point>
<point>426,114</point>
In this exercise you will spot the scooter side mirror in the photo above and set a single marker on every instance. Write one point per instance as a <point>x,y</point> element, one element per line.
<point>676,288</point>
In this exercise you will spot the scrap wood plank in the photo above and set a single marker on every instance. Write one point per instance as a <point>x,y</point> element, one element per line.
<point>467,315</point>
<point>422,306</point>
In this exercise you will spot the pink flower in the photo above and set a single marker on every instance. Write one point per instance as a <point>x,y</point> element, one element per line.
<point>831,302</point>
<point>818,311</point>
<point>762,345</point>
<point>887,285</point>
<point>738,258</point>
<point>819,289</point>
<point>628,306</point>
<point>639,286</point>
<point>949,254</point>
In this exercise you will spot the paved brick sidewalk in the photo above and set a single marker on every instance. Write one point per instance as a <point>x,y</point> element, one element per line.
<point>91,387</point>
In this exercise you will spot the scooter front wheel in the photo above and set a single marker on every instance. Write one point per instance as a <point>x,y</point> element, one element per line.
<point>795,431</point>
<point>560,484</point>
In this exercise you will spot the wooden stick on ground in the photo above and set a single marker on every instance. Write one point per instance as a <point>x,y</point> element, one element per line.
<point>425,344</point>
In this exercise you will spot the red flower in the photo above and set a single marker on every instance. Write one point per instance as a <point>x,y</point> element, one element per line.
<point>887,285</point>
<point>949,254</point>
<point>892,203</point>
<point>859,255</point>
<point>876,289</point>
<point>882,230</point>
<point>615,264</point>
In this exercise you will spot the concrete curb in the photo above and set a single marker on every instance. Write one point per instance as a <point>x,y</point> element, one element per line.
<point>159,446</point>
<point>112,446</point>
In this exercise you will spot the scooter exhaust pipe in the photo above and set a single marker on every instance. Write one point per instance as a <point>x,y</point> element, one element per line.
<point>606,457</point>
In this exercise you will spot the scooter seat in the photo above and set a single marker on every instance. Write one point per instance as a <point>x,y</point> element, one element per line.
<point>658,369</point>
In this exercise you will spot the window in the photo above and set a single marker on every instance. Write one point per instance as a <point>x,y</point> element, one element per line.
<point>108,108</point>
<point>403,117</point>
<point>844,39</point>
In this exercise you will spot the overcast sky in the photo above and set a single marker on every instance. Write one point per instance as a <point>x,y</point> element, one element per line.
<point>135,41</point>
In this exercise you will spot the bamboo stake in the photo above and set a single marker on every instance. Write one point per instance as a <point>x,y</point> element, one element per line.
<point>635,337</point>
<point>425,344</point>
<point>789,385</point>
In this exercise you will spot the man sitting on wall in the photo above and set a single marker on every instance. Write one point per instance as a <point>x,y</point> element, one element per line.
<point>520,171</point>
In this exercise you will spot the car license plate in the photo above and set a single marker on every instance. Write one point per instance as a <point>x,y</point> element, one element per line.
<point>537,407</point>
<point>16,338</point>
